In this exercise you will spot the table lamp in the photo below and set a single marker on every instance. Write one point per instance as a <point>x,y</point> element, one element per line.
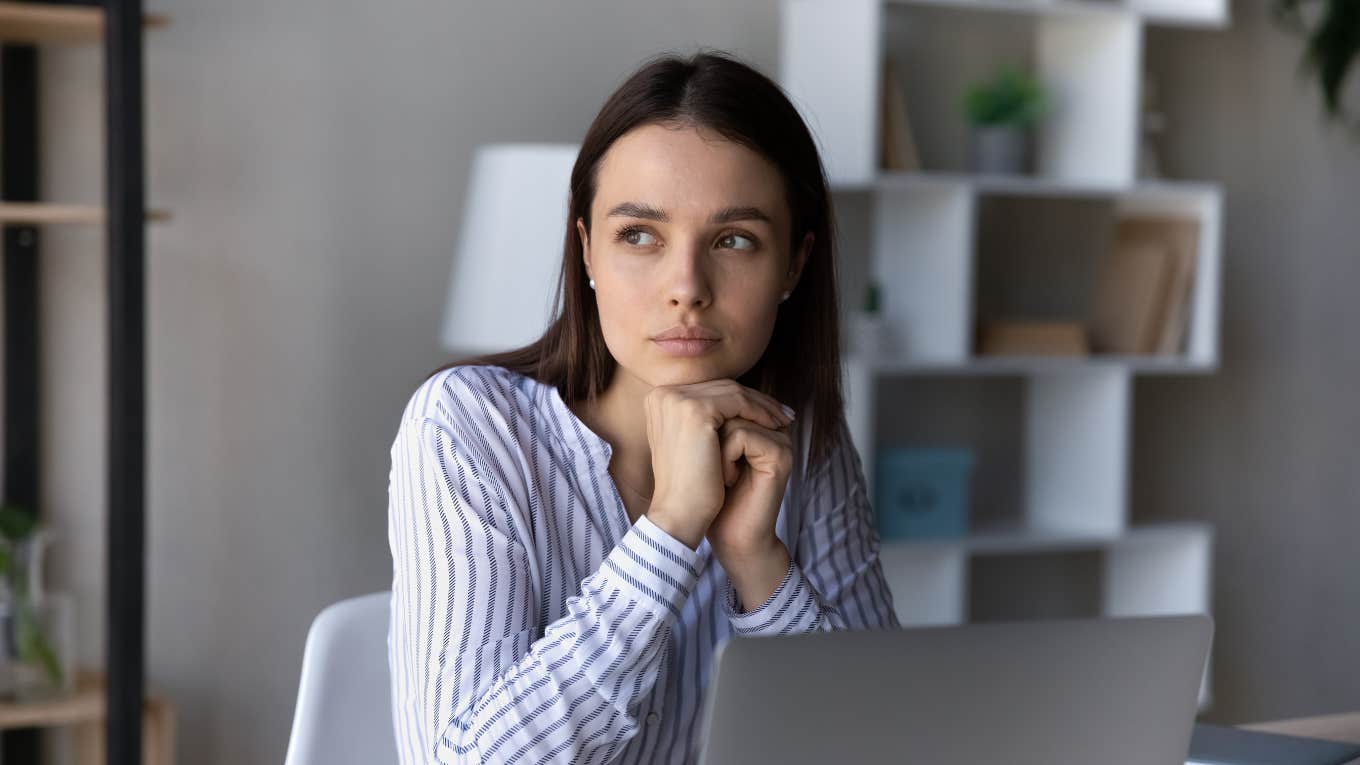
<point>501,286</point>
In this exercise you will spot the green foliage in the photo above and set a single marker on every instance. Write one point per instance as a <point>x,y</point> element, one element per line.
<point>871,298</point>
<point>17,526</point>
<point>1333,44</point>
<point>1011,97</point>
<point>16,523</point>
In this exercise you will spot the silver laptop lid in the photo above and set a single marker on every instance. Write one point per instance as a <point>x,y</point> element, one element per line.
<point>1113,691</point>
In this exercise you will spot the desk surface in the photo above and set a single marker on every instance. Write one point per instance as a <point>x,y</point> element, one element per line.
<point>1342,727</point>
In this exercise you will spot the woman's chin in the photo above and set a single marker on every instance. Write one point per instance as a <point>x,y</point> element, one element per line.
<point>689,371</point>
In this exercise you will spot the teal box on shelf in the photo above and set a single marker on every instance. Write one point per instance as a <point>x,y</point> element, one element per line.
<point>922,492</point>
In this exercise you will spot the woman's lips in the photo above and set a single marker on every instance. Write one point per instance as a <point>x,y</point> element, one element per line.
<point>689,347</point>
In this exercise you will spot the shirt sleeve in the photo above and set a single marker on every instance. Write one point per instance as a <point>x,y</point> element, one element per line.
<point>834,580</point>
<point>470,682</point>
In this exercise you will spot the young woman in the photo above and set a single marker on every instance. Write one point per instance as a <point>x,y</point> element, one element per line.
<point>576,525</point>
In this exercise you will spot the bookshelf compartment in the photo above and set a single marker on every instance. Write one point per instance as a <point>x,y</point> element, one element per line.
<point>1051,451</point>
<point>1138,271</point>
<point>984,415</point>
<point>1087,62</point>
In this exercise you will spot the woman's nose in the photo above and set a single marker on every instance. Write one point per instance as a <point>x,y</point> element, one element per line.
<point>687,279</point>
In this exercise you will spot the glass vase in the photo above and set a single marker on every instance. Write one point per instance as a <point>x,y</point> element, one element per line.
<point>37,627</point>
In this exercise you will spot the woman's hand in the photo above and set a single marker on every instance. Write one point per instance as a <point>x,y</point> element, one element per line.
<point>684,423</point>
<point>757,462</point>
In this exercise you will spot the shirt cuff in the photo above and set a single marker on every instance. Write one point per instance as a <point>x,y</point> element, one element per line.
<point>654,565</point>
<point>791,608</point>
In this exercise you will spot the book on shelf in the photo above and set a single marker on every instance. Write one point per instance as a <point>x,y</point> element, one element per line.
<point>1014,337</point>
<point>1141,300</point>
<point>897,144</point>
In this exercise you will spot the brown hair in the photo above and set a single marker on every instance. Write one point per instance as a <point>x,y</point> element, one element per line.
<point>801,364</point>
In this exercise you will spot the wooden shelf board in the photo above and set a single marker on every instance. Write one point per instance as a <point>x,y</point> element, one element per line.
<point>1019,539</point>
<point>84,704</point>
<point>45,213</point>
<point>39,23</point>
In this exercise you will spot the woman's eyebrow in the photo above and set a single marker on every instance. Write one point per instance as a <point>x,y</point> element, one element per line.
<point>725,215</point>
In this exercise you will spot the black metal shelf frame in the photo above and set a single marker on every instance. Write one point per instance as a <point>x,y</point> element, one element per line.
<point>126,478</point>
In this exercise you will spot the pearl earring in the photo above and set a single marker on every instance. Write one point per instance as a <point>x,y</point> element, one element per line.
<point>592,284</point>
<point>784,297</point>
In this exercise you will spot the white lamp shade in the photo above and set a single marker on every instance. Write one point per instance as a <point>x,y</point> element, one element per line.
<point>510,247</point>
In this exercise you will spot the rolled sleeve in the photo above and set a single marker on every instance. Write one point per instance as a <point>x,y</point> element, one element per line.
<point>651,563</point>
<point>791,608</point>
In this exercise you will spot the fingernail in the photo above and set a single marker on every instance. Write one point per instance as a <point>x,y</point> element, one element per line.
<point>789,411</point>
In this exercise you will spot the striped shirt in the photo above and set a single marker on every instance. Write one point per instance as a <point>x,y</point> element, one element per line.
<point>531,622</point>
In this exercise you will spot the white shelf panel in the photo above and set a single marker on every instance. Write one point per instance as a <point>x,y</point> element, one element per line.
<point>1020,540</point>
<point>1186,13</point>
<point>1193,13</point>
<point>1025,185</point>
<point>1031,7</point>
<point>1091,69</point>
<point>1076,456</point>
<point>829,66</point>
<point>922,244</point>
<point>929,586</point>
<point>1028,366</point>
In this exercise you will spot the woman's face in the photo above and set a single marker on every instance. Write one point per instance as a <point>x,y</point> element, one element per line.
<point>690,234</point>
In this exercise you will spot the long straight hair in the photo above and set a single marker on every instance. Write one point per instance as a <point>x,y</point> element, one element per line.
<point>801,365</point>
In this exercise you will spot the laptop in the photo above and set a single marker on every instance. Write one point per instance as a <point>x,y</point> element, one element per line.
<point>1115,691</point>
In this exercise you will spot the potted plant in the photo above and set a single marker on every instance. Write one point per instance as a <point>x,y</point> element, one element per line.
<point>31,666</point>
<point>1333,46</point>
<point>1002,111</point>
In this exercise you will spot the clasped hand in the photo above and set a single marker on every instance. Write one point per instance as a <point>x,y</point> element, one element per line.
<point>722,455</point>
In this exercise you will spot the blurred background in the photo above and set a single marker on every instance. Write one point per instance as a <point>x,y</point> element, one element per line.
<point>314,157</point>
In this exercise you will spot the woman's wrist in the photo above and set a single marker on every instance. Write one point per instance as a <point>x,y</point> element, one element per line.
<point>672,523</point>
<point>755,575</point>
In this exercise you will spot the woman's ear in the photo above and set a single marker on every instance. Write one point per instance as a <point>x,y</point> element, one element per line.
<point>799,260</point>
<point>585,245</point>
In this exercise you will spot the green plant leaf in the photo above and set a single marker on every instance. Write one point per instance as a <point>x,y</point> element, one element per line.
<point>1333,45</point>
<point>16,523</point>
<point>1011,97</point>
<point>33,646</point>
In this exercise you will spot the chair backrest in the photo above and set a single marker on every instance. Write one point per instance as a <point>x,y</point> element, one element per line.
<point>344,711</point>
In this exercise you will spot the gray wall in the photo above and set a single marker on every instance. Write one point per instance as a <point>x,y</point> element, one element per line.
<point>314,155</point>
<point>1266,450</point>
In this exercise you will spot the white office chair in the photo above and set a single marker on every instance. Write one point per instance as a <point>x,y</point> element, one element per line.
<point>344,713</point>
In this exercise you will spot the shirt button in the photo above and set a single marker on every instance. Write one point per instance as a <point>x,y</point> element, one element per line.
<point>653,718</point>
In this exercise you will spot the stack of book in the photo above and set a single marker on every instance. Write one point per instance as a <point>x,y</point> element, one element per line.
<point>1141,301</point>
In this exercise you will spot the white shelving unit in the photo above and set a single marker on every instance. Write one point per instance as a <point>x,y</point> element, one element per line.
<point>923,249</point>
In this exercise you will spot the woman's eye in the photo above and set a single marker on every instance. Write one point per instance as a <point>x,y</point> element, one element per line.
<point>630,236</point>
<point>751,243</point>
